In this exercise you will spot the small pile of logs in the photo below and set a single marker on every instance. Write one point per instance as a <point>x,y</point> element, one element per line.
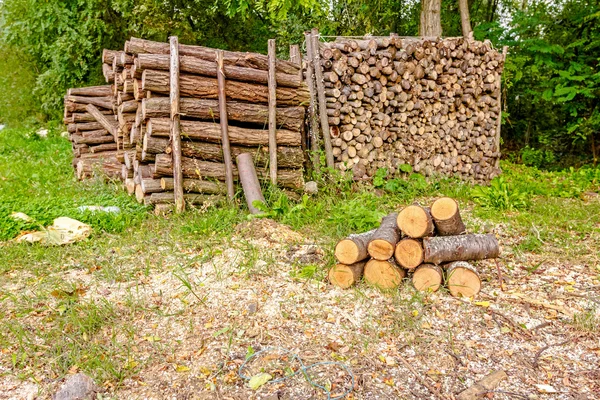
<point>432,104</point>
<point>131,118</point>
<point>429,243</point>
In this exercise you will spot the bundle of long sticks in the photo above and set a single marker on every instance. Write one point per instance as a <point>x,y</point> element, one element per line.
<point>433,104</point>
<point>429,243</point>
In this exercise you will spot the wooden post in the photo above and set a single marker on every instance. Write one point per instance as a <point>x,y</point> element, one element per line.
<point>313,126</point>
<point>224,126</point>
<point>272,114</point>
<point>296,57</point>
<point>175,128</point>
<point>497,165</point>
<point>295,54</point>
<point>249,181</point>
<point>321,96</point>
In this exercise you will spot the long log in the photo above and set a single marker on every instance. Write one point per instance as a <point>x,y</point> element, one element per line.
<point>84,126</point>
<point>197,169</point>
<point>198,66</point>
<point>344,276</point>
<point>107,124</point>
<point>210,132</point>
<point>383,242</point>
<point>353,248</point>
<point>312,109</point>
<point>272,86</point>
<point>195,186</point>
<point>175,136</point>
<point>250,183</point>
<point>79,139</point>
<point>291,118</point>
<point>226,151</point>
<point>247,60</point>
<point>202,87</point>
<point>92,91</point>
<point>460,248</point>
<point>104,102</point>
<point>190,198</point>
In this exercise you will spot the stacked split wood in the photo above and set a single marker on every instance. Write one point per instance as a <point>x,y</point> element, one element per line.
<point>430,103</point>
<point>139,91</point>
<point>430,244</point>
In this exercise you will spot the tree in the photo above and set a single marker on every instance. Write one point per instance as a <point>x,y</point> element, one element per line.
<point>465,19</point>
<point>431,24</point>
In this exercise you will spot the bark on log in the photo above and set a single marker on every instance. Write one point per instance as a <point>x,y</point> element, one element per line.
<point>247,60</point>
<point>175,130</point>
<point>150,185</point>
<point>446,216</point>
<point>196,169</point>
<point>103,147</point>
<point>344,276</point>
<point>210,132</point>
<point>430,25</point>
<point>190,198</point>
<point>110,126</point>
<point>195,186</point>
<point>224,126</point>
<point>383,274</point>
<point>464,247</point>
<point>428,278</point>
<point>197,66</point>
<point>487,384</point>
<point>291,118</point>
<point>409,253</point>
<point>78,139</point>
<point>462,279</point>
<point>415,221</point>
<point>86,126</point>
<point>249,180</point>
<point>353,248</point>
<point>272,114</point>
<point>312,109</point>
<point>91,91</point>
<point>383,242</point>
<point>201,87</point>
<point>103,102</point>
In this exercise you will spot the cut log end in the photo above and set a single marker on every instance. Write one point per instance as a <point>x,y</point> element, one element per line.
<point>446,216</point>
<point>415,222</point>
<point>346,251</point>
<point>409,253</point>
<point>381,249</point>
<point>462,279</point>
<point>444,208</point>
<point>344,276</point>
<point>427,278</point>
<point>383,274</point>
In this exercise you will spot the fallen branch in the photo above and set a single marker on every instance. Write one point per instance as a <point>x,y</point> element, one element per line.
<point>483,386</point>
<point>536,358</point>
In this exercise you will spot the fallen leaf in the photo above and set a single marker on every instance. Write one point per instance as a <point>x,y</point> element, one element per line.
<point>182,368</point>
<point>152,338</point>
<point>482,303</point>
<point>545,389</point>
<point>258,380</point>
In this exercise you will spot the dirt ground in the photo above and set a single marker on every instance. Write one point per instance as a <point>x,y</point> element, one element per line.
<point>192,334</point>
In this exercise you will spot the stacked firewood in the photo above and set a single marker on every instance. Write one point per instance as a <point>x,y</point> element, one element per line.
<point>429,243</point>
<point>432,104</point>
<point>139,91</point>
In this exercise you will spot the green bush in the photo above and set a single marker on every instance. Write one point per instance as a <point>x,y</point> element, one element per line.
<point>536,157</point>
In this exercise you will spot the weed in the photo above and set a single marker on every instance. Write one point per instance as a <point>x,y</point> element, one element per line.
<point>588,321</point>
<point>500,195</point>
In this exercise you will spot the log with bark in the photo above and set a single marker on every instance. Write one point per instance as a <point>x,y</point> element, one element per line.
<point>409,253</point>
<point>415,221</point>
<point>428,277</point>
<point>249,180</point>
<point>442,249</point>
<point>353,248</point>
<point>446,216</point>
<point>383,274</point>
<point>384,240</point>
<point>462,279</point>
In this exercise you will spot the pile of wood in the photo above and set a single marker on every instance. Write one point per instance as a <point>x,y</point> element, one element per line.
<point>430,244</point>
<point>135,112</point>
<point>432,104</point>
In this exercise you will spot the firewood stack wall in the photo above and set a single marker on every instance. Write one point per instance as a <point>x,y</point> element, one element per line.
<point>431,103</point>
<point>135,133</point>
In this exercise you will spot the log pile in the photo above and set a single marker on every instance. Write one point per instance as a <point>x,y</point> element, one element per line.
<point>137,108</point>
<point>432,104</point>
<point>429,244</point>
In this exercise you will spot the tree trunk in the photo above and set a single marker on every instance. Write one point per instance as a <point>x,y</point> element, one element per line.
<point>344,276</point>
<point>91,91</point>
<point>190,198</point>
<point>175,130</point>
<point>384,240</point>
<point>195,186</point>
<point>313,123</point>
<point>465,247</point>
<point>224,126</point>
<point>383,274</point>
<point>462,279</point>
<point>272,86</point>
<point>428,278</point>
<point>210,132</point>
<point>431,25</point>
<point>110,126</point>
<point>249,180</point>
<point>291,118</point>
<point>415,221</point>
<point>198,66</point>
<point>446,216</point>
<point>465,19</point>
<point>202,87</point>
<point>353,248</point>
<point>409,253</point>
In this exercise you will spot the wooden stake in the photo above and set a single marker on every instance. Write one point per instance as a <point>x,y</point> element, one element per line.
<point>175,128</point>
<point>322,101</point>
<point>499,125</point>
<point>111,127</point>
<point>225,126</point>
<point>249,180</point>
<point>313,126</point>
<point>295,54</point>
<point>272,114</point>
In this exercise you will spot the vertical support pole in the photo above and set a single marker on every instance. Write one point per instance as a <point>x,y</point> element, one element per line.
<point>296,58</point>
<point>224,126</point>
<point>175,127</point>
<point>321,97</point>
<point>272,114</point>
<point>313,125</point>
<point>295,54</point>
<point>249,181</point>
<point>498,127</point>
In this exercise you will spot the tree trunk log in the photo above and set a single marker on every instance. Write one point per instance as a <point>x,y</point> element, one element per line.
<point>344,276</point>
<point>431,25</point>
<point>210,132</point>
<point>190,198</point>
<point>446,216</point>
<point>291,118</point>
<point>456,248</point>
<point>249,180</point>
<point>415,221</point>
<point>428,278</point>
<point>110,126</point>
<point>462,279</point>
<point>383,274</point>
<point>91,91</point>
<point>409,253</point>
<point>353,248</point>
<point>207,88</point>
<point>224,126</point>
<point>195,186</point>
<point>175,125</point>
<point>383,242</point>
